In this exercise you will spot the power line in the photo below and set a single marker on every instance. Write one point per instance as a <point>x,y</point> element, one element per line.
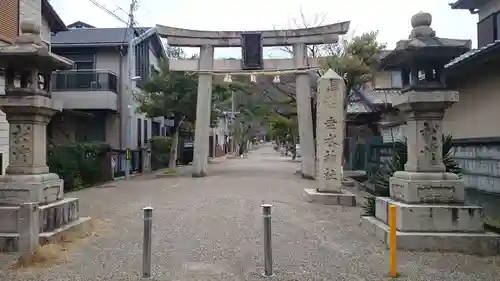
<point>130,22</point>
<point>108,11</point>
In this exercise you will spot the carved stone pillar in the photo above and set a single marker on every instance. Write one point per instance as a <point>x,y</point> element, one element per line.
<point>330,122</point>
<point>27,141</point>
<point>424,179</point>
<point>330,131</point>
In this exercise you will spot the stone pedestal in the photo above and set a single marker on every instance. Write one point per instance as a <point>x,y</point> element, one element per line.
<point>330,143</point>
<point>32,204</point>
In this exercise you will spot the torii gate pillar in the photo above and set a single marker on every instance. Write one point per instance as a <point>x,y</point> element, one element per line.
<point>203,110</point>
<point>304,114</point>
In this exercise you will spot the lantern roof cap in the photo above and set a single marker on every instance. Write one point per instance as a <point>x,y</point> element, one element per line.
<point>28,50</point>
<point>424,46</point>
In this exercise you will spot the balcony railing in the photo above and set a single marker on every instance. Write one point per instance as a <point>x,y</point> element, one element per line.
<point>84,80</point>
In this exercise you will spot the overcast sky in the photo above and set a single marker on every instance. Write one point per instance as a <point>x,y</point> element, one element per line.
<point>390,17</point>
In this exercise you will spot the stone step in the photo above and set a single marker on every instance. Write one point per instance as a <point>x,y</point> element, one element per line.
<point>431,217</point>
<point>58,213</point>
<point>9,216</point>
<point>51,216</point>
<point>9,242</point>
<point>475,243</point>
<point>80,224</point>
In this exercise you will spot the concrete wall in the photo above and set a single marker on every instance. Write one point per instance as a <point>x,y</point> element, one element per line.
<point>87,99</point>
<point>109,60</point>
<point>473,121</point>
<point>45,31</point>
<point>476,115</point>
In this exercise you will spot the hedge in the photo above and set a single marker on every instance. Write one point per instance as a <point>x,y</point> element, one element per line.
<point>79,164</point>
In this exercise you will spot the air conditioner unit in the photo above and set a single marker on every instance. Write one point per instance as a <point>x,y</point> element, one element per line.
<point>93,85</point>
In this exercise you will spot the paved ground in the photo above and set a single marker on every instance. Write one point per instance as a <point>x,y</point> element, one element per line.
<point>210,229</point>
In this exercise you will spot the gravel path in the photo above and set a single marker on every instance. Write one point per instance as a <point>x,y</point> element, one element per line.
<point>211,229</point>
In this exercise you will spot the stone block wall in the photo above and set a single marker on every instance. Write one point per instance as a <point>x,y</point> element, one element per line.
<point>480,161</point>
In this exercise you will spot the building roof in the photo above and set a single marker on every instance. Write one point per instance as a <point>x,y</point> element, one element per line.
<point>55,22</point>
<point>106,37</point>
<point>87,37</point>
<point>468,4</point>
<point>473,54</point>
<point>80,24</point>
<point>382,96</point>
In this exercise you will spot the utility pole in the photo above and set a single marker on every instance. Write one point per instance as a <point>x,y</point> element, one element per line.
<point>130,88</point>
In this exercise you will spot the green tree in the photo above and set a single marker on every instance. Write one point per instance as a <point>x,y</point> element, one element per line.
<point>173,95</point>
<point>356,62</point>
<point>251,114</point>
<point>284,130</point>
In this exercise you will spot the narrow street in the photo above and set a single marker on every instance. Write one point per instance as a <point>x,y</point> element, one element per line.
<point>211,229</point>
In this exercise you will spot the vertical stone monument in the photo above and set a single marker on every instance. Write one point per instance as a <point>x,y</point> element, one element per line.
<point>32,203</point>
<point>431,214</point>
<point>330,142</point>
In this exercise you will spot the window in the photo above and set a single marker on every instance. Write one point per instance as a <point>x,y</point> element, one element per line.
<point>396,80</point>
<point>155,128</point>
<point>142,62</point>
<point>84,65</point>
<point>145,130</point>
<point>82,62</point>
<point>139,132</point>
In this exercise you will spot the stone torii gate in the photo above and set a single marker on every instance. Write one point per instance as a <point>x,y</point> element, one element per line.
<point>252,43</point>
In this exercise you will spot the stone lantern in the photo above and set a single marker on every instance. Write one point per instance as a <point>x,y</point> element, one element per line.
<point>32,203</point>
<point>431,213</point>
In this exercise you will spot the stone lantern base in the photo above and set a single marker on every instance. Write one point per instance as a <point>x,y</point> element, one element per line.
<point>431,216</point>
<point>33,209</point>
<point>27,225</point>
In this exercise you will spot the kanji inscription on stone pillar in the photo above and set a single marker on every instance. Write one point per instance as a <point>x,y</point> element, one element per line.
<point>330,131</point>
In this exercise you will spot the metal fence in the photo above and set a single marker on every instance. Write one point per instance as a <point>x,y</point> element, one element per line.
<point>118,159</point>
<point>478,158</point>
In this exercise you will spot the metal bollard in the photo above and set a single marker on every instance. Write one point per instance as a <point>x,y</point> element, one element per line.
<point>268,254</point>
<point>392,241</point>
<point>146,247</point>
